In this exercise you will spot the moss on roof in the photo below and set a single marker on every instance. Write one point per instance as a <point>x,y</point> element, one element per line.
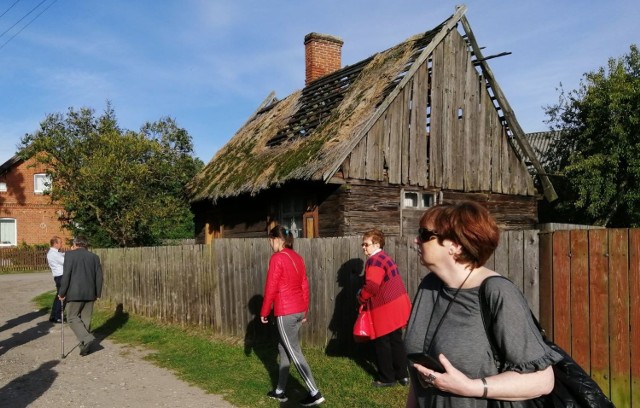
<point>303,135</point>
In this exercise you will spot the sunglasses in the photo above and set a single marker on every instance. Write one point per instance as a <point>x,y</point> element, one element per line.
<point>425,234</point>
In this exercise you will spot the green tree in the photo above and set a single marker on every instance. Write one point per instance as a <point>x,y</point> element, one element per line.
<point>118,187</point>
<point>598,153</point>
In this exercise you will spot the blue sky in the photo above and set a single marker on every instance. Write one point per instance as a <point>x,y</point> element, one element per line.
<point>209,64</point>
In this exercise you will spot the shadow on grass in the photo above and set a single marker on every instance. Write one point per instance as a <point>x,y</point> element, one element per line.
<point>341,344</point>
<point>111,325</point>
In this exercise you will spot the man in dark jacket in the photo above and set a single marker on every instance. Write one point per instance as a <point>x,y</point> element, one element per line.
<point>81,286</point>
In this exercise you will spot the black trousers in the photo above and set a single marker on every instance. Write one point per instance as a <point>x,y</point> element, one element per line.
<point>56,308</point>
<point>391,356</point>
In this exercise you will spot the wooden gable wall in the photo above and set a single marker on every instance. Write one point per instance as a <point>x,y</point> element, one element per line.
<point>442,131</point>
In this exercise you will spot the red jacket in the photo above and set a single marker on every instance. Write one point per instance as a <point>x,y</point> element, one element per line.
<point>386,294</point>
<point>286,288</point>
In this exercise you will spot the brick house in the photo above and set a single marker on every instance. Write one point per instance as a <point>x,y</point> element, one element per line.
<point>27,214</point>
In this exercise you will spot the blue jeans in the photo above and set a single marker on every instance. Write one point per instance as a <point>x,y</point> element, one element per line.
<point>57,307</point>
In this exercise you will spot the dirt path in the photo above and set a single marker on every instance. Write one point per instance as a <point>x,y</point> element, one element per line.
<point>32,373</point>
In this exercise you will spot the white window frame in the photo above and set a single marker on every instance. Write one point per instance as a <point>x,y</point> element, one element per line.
<point>422,200</point>
<point>45,180</point>
<point>13,241</point>
<point>3,187</point>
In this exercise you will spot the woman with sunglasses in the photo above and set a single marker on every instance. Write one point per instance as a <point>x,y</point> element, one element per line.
<point>451,358</point>
<point>385,295</point>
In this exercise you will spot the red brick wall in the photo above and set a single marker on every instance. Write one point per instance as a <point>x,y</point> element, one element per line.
<point>36,217</point>
<point>323,55</point>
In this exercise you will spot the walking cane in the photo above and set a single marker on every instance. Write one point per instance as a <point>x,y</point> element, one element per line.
<point>61,328</point>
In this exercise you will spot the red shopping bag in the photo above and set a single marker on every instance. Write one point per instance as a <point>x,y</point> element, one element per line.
<point>363,328</point>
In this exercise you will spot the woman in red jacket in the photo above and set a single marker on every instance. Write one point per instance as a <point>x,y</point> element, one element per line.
<point>390,306</point>
<point>287,290</point>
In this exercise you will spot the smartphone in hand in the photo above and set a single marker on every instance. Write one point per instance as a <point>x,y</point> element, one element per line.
<point>427,361</point>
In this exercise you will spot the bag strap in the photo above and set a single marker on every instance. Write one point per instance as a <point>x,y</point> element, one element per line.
<point>294,264</point>
<point>433,336</point>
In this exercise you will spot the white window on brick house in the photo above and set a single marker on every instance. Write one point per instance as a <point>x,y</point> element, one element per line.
<point>41,183</point>
<point>3,187</point>
<point>417,200</point>
<point>8,232</point>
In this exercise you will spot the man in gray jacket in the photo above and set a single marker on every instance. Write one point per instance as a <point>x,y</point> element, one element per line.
<point>81,286</point>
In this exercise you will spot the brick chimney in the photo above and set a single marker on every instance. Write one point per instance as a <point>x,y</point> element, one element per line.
<point>322,55</point>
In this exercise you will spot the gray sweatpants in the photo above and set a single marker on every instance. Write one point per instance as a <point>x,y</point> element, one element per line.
<point>289,348</point>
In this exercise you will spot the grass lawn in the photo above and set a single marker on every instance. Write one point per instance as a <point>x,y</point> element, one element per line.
<point>241,373</point>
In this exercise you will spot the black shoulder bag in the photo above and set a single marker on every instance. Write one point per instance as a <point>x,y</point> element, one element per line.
<point>573,386</point>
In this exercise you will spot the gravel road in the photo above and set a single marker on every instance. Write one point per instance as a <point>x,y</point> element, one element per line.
<point>33,374</point>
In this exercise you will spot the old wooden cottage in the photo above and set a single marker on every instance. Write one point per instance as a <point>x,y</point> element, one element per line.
<point>373,144</point>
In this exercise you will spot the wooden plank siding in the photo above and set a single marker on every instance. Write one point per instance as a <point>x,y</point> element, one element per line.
<point>583,284</point>
<point>580,347</point>
<point>599,316</point>
<point>404,136</point>
<point>468,147</point>
<point>419,147</point>
<point>619,312</point>
<point>561,290</point>
<point>455,101</point>
<point>213,286</point>
<point>436,141</point>
<point>595,301</point>
<point>634,308</point>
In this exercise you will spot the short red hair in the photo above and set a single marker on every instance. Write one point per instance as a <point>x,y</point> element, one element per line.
<point>376,236</point>
<point>469,225</point>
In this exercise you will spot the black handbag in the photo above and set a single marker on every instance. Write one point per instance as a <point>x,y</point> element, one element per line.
<point>573,386</point>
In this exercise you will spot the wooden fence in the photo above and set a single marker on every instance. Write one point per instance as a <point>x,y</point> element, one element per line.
<point>583,284</point>
<point>23,259</point>
<point>220,286</point>
<point>590,304</point>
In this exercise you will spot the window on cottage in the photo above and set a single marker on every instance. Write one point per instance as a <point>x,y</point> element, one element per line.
<point>8,235</point>
<point>3,187</point>
<point>41,183</point>
<point>410,199</point>
<point>428,200</point>
<point>291,211</point>
<point>414,199</point>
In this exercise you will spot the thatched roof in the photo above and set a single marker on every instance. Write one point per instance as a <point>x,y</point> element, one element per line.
<point>307,135</point>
